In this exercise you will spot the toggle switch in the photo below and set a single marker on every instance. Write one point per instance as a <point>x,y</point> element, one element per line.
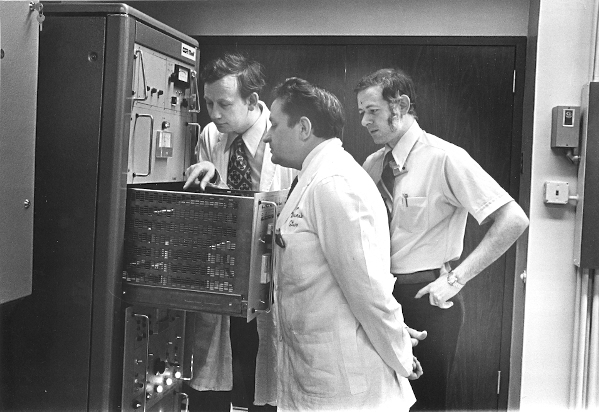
<point>556,193</point>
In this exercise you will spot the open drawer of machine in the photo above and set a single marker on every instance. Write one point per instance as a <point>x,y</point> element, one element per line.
<point>209,252</point>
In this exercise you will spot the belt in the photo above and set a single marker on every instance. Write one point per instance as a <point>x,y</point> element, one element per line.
<point>417,277</point>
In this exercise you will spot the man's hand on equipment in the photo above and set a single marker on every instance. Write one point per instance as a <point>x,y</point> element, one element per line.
<point>199,175</point>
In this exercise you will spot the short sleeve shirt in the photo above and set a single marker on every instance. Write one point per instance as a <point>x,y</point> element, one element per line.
<point>436,185</point>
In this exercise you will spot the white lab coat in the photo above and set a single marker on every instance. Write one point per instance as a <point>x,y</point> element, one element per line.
<point>342,343</point>
<point>212,342</point>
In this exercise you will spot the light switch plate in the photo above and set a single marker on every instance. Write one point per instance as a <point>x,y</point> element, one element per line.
<point>556,193</point>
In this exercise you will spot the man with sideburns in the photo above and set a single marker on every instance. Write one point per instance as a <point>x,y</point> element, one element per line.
<point>429,187</point>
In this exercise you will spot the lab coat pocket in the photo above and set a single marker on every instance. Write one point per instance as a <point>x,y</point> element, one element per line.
<point>314,364</point>
<point>413,215</point>
<point>303,258</point>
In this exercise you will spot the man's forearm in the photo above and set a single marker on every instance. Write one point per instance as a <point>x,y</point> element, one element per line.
<point>509,222</point>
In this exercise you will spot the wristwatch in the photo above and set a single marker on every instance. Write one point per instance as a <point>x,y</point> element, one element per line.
<point>452,279</point>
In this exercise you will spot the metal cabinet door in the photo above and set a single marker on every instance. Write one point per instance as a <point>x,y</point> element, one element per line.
<point>19,39</point>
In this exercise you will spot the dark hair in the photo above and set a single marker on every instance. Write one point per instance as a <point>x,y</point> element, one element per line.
<point>394,83</point>
<point>249,74</point>
<point>301,98</point>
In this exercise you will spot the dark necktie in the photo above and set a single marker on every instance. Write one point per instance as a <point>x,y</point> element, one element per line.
<point>278,238</point>
<point>238,171</point>
<point>292,186</point>
<point>387,176</point>
<point>388,181</point>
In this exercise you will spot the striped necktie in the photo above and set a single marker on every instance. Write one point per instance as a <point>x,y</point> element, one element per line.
<point>238,171</point>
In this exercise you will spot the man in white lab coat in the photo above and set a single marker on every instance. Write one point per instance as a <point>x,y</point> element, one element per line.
<point>342,343</point>
<point>239,123</point>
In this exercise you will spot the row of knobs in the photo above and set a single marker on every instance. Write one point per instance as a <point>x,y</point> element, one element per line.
<point>174,99</point>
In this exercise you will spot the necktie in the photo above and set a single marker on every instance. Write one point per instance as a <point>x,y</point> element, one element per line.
<point>238,171</point>
<point>278,238</point>
<point>387,176</point>
<point>388,181</point>
<point>292,186</point>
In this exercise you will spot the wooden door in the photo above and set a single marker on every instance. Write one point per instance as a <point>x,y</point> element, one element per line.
<point>465,95</point>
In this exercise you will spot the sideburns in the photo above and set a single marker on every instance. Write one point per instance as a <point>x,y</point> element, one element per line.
<point>394,113</point>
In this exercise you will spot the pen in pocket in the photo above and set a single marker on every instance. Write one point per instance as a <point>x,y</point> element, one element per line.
<point>405,196</point>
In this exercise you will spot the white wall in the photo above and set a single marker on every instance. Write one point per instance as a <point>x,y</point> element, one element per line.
<point>342,17</point>
<point>562,68</point>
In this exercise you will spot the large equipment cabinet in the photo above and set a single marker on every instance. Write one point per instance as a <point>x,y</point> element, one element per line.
<point>102,94</point>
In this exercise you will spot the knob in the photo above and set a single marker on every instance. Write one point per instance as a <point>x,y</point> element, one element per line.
<point>165,125</point>
<point>136,404</point>
<point>168,381</point>
<point>154,90</point>
<point>160,92</point>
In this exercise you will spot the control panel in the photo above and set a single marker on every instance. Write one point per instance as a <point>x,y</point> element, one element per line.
<point>164,99</point>
<point>153,361</point>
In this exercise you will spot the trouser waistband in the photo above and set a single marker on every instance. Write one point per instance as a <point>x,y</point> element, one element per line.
<point>417,277</point>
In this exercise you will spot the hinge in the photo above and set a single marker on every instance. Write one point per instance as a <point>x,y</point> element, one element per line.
<point>498,381</point>
<point>514,83</point>
<point>521,163</point>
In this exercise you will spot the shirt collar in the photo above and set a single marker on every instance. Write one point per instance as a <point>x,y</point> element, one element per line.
<point>252,136</point>
<point>333,142</point>
<point>403,148</point>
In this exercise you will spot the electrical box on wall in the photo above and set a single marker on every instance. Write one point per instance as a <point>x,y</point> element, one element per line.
<point>556,193</point>
<point>565,126</point>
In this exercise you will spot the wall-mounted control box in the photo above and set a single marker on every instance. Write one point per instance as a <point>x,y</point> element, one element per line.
<point>565,126</point>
